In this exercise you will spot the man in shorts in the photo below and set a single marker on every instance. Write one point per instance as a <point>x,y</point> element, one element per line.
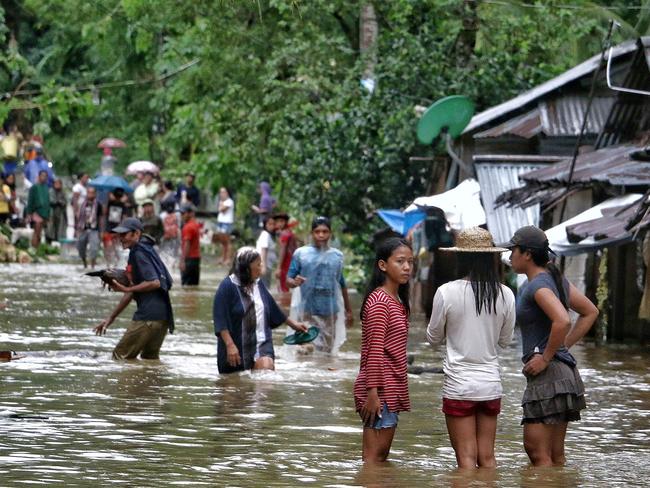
<point>150,285</point>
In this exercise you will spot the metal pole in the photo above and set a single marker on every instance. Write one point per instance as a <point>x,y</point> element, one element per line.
<point>576,149</point>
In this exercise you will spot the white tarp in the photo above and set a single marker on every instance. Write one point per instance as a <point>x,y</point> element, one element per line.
<point>557,237</point>
<point>462,205</point>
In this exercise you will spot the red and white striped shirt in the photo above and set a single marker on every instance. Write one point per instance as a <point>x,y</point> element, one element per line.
<point>384,333</point>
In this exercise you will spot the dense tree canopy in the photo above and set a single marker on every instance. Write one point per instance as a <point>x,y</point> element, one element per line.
<point>241,91</point>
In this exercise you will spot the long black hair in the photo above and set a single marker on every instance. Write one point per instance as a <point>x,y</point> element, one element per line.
<point>384,251</point>
<point>541,258</point>
<point>482,270</point>
<point>241,264</point>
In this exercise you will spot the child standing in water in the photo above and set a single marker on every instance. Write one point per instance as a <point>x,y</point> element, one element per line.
<point>381,388</point>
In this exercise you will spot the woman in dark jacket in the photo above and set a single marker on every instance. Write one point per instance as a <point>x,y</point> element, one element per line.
<point>244,313</point>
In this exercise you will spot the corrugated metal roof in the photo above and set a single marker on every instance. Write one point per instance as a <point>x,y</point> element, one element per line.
<point>629,116</point>
<point>496,178</point>
<point>596,166</point>
<point>525,98</point>
<point>526,126</point>
<point>561,116</point>
<point>613,165</point>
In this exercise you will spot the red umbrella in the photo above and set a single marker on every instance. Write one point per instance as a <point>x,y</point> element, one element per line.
<point>111,142</point>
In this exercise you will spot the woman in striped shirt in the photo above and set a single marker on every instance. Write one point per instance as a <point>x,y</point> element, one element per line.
<point>381,388</point>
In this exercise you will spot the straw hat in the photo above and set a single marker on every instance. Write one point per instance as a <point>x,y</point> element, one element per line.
<point>474,239</point>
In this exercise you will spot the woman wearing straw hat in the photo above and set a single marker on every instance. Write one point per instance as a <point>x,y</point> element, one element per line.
<point>554,392</point>
<point>474,314</point>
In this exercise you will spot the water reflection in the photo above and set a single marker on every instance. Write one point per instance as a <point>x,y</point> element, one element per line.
<point>140,387</point>
<point>176,422</point>
<point>549,477</point>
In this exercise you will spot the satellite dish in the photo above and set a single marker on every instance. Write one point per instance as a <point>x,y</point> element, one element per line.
<point>449,114</point>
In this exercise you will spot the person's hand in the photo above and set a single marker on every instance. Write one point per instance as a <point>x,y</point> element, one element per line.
<point>535,365</point>
<point>299,280</point>
<point>116,286</point>
<point>299,327</point>
<point>181,264</point>
<point>233,358</point>
<point>349,318</point>
<point>278,274</point>
<point>101,328</point>
<point>371,410</point>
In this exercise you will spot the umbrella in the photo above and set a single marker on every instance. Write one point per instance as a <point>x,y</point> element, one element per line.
<point>142,167</point>
<point>111,142</point>
<point>105,182</point>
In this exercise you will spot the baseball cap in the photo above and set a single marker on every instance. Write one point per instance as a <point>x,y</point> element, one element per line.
<point>148,201</point>
<point>128,225</point>
<point>528,236</point>
<point>187,207</point>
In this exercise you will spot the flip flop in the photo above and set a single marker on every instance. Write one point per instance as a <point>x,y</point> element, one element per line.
<point>302,337</point>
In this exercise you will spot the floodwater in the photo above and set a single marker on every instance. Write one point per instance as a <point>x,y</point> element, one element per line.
<point>69,415</point>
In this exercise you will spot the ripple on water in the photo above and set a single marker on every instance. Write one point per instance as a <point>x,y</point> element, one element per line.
<point>177,422</point>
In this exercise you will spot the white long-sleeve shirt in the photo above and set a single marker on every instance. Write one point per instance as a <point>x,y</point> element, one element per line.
<point>471,366</point>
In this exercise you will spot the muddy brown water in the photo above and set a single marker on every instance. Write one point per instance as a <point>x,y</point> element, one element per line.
<point>69,415</point>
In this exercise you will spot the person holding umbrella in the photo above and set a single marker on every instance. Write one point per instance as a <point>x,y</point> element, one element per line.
<point>147,190</point>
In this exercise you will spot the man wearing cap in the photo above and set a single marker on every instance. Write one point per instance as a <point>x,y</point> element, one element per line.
<point>150,285</point>
<point>190,262</point>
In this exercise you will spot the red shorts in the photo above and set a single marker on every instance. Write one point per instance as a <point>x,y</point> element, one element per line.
<point>463,408</point>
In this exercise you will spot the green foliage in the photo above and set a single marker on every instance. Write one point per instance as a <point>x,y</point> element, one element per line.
<point>275,94</point>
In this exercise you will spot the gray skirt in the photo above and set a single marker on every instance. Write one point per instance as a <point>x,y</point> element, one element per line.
<point>554,396</point>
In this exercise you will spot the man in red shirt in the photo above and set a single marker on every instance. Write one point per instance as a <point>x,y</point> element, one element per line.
<point>190,263</point>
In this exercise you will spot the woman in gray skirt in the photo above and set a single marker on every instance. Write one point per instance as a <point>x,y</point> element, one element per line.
<point>554,392</point>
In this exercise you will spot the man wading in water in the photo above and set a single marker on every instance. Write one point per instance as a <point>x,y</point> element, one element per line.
<point>150,288</point>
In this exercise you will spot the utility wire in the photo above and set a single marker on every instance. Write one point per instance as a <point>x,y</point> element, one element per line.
<point>567,7</point>
<point>110,84</point>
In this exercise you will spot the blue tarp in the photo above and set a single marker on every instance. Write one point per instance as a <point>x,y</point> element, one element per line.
<point>399,221</point>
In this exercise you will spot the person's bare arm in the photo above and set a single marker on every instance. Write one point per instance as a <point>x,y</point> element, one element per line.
<point>104,324</point>
<point>283,253</point>
<point>588,312</point>
<point>233,357</point>
<point>297,326</point>
<point>264,252</point>
<point>185,251</point>
<point>143,287</point>
<point>349,318</point>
